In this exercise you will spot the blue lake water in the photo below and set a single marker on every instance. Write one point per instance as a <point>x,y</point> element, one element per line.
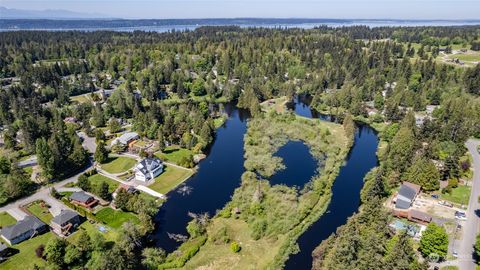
<point>299,162</point>
<point>218,176</point>
<point>345,193</point>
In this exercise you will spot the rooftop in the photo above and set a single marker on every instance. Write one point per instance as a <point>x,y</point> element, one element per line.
<point>80,196</point>
<point>64,217</point>
<point>22,226</point>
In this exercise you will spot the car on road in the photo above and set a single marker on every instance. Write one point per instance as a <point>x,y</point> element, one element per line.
<point>455,254</point>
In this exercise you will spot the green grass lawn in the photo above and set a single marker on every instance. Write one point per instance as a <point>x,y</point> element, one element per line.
<point>91,230</point>
<point>97,179</point>
<point>169,179</point>
<point>460,195</point>
<point>173,154</point>
<point>115,218</point>
<point>118,164</point>
<point>26,258</point>
<point>41,212</point>
<point>255,254</point>
<point>6,219</point>
<point>466,57</point>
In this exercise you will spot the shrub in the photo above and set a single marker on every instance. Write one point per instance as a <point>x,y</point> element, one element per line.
<point>235,247</point>
<point>39,251</point>
<point>221,236</point>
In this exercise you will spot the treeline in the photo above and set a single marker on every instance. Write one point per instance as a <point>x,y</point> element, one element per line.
<point>162,82</point>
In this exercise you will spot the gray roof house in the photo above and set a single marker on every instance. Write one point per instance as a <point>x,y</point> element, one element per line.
<point>148,169</point>
<point>125,138</point>
<point>83,199</point>
<point>24,229</point>
<point>406,195</point>
<point>65,222</point>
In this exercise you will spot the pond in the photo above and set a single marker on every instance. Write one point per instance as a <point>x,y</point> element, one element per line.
<point>299,162</point>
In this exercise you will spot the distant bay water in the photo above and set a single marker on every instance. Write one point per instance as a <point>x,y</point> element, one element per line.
<point>191,24</point>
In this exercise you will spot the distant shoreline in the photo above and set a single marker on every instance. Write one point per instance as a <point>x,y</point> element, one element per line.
<point>165,25</point>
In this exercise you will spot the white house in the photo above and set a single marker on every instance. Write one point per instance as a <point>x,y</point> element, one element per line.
<point>148,169</point>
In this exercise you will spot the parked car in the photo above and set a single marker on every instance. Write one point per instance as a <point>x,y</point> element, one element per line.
<point>455,254</point>
<point>460,215</point>
<point>435,196</point>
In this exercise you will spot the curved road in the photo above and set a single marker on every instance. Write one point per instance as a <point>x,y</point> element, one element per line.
<point>466,249</point>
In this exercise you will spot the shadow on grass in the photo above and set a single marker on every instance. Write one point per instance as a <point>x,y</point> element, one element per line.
<point>169,151</point>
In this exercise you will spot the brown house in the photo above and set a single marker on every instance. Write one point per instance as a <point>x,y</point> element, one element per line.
<point>83,199</point>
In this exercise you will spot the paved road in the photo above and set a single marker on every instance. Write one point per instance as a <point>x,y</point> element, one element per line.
<point>472,225</point>
<point>43,193</point>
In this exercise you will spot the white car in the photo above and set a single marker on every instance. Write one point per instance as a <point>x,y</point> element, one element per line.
<point>460,215</point>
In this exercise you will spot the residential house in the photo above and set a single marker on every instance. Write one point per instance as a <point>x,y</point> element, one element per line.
<point>65,222</point>
<point>406,195</point>
<point>24,229</point>
<point>83,199</point>
<point>130,189</point>
<point>148,169</point>
<point>125,138</point>
<point>419,217</point>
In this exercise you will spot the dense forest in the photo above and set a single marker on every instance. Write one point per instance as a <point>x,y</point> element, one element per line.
<point>165,84</point>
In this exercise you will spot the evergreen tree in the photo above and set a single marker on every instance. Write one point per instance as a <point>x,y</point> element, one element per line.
<point>434,241</point>
<point>45,158</point>
<point>101,153</point>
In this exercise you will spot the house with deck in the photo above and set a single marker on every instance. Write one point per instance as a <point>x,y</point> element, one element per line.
<point>65,222</point>
<point>83,199</point>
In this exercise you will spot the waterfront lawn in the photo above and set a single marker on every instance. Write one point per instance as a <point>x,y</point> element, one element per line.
<point>460,195</point>
<point>254,254</point>
<point>97,179</point>
<point>40,212</point>
<point>115,218</point>
<point>26,258</point>
<point>6,219</point>
<point>92,230</point>
<point>174,154</point>
<point>169,179</point>
<point>118,164</point>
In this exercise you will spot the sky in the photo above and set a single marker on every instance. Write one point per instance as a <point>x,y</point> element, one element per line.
<point>343,9</point>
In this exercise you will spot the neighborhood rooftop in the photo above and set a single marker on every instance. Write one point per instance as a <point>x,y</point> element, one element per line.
<point>80,196</point>
<point>64,216</point>
<point>23,226</point>
<point>125,138</point>
<point>406,195</point>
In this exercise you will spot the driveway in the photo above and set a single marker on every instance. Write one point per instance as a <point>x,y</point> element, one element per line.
<point>472,225</point>
<point>88,142</point>
<point>43,193</point>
